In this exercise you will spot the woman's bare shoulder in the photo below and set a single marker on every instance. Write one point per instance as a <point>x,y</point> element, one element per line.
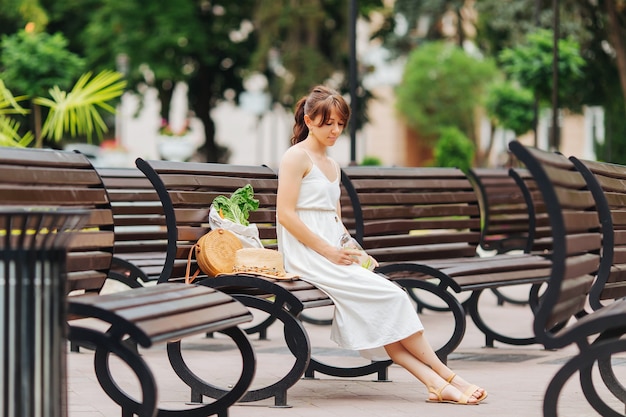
<point>296,160</point>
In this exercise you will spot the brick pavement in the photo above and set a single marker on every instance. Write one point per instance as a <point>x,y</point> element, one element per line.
<point>515,377</point>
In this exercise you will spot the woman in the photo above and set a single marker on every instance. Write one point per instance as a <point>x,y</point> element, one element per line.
<point>372,314</point>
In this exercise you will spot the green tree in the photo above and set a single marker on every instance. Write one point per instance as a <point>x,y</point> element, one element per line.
<point>510,107</point>
<point>412,23</point>
<point>16,14</point>
<point>206,44</point>
<point>33,63</point>
<point>530,64</point>
<point>598,26</point>
<point>443,86</point>
<point>454,149</point>
<point>304,43</point>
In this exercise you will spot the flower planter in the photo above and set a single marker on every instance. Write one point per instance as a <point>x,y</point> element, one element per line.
<point>176,148</point>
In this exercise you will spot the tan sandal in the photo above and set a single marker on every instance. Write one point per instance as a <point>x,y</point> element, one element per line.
<point>470,390</point>
<point>440,400</point>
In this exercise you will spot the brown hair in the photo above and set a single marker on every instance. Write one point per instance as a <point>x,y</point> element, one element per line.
<point>320,101</point>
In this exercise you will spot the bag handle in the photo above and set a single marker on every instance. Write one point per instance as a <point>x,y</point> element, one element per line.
<point>190,279</point>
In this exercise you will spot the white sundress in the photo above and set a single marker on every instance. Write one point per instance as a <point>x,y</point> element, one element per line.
<point>370,310</point>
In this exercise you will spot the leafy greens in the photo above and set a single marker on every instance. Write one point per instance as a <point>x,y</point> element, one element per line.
<point>237,208</point>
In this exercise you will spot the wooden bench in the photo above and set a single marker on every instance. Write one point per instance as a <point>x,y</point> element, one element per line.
<point>513,217</point>
<point>507,223</point>
<point>610,178</point>
<point>140,236</point>
<point>581,213</point>
<point>56,179</point>
<point>424,224</point>
<point>187,190</point>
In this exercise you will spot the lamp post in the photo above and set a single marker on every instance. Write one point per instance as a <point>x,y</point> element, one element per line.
<point>555,76</point>
<point>352,77</point>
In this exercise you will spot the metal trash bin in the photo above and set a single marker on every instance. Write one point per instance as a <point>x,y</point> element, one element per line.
<point>33,248</point>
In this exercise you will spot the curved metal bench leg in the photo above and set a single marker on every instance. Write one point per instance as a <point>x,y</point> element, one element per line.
<point>200,387</point>
<point>454,306</point>
<point>412,277</point>
<point>490,334</point>
<point>376,367</point>
<point>605,366</point>
<point>583,362</point>
<point>106,344</point>
<point>298,343</point>
<point>422,305</point>
<point>503,298</point>
<point>260,328</point>
<point>320,322</point>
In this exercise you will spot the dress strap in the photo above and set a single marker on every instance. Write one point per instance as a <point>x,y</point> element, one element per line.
<point>337,169</point>
<point>307,154</point>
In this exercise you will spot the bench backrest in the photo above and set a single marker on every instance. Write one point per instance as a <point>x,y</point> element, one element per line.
<point>187,191</point>
<point>49,178</point>
<point>420,213</point>
<point>507,220</point>
<point>512,211</point>
<point>577,242</point>
<point>611,181</point>
<point>139,219</point>
<point>540,235</point>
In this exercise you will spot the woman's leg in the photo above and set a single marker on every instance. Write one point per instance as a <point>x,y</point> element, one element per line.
<point>425,373</point>
<point>418,346</point>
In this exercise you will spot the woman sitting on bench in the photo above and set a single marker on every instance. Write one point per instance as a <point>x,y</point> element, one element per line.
<point>372,314</point>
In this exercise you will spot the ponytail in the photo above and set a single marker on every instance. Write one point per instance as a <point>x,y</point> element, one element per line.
<point>300,129</point>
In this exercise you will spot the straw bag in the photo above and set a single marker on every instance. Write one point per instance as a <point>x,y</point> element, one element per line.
<point>215,254</point>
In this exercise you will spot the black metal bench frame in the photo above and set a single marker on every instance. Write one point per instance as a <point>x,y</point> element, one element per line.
<point>598,334</point>
<point>583,264</point>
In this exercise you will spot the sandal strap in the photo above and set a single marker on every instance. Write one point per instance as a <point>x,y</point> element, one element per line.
<point>467,394</point>
<point>438,392</point>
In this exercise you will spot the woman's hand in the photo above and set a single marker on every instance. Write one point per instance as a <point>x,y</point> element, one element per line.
<point>343,256</point>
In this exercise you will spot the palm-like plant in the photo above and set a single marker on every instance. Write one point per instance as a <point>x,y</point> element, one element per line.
<point>41,69</point>
<point>9,127</point>
<point>74,113</point>
<point>77,112</point>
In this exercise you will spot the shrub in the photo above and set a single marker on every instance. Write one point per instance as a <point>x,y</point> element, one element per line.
<point>454,149</point>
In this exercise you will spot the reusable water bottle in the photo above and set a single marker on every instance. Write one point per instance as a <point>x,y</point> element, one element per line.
<point>348,242</point>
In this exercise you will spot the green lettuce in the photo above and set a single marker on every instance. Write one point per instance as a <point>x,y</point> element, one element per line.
<point>237,208</point>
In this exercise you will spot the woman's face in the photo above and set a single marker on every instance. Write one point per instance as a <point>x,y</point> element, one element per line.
<point>329,131</point>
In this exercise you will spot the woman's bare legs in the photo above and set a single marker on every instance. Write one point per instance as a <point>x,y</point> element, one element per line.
<point>415,354</point>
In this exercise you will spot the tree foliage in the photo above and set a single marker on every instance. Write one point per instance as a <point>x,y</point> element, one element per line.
<point>454,149</point>
<point>531,64</point>
<point>443,86</point>
<point>206,44</point>
<point>32,63</point>
<point>305,43</point>
<point>39,67</point>
<point>510,107</point>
